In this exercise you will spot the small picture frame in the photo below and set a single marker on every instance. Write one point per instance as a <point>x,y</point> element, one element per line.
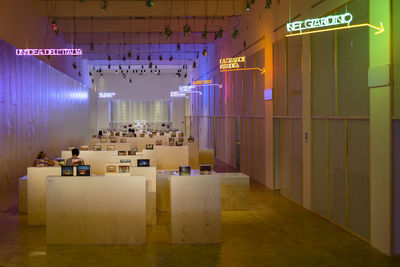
<point>131,153</point>
<point>171,143</point>
<point>122,140</point>
<point>173,135</point>
<point>180,134</point>
<point>178,143</point>
<point>129,125</point>
<point>83,170</point>
<point>124,169</point>
<point>97,147</point>
<point>143,163</point>
<point>110,147</point>
<point>205,169</point>
<point>158,142</point>
<point>184,170</point>
<point>121,153</point>
<point>149,146</point>
<point>171,139</point>
<point>111,169</point>
<point>125,161</point>
<point>113,140</point>
<point>150,135</point>
<point>67,171</point>
<point>116,134</point>
<point>161,133</point>
<point>84,147</point>
<point>190,140</point>
<point>70,148</point>
<point>180,139</point>
<point>134,149</point>
<point>103,140</point>
<point>142,135</point>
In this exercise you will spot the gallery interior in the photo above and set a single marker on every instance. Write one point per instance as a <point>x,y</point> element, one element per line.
<point>200,132</point>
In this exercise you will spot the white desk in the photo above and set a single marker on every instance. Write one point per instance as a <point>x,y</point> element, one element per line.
<point>195,209</point>
<point>98,210</point>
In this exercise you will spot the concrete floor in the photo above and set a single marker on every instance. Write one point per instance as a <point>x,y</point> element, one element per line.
<point>275,232</point>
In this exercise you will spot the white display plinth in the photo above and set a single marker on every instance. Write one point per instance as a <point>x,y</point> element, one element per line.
<point>96,159</point>
<point>195,209</point>
<point>37,193</point>
<point>171,157</point>
<point>98,210</point>
<point>151,187</point>
<point>234,191</point>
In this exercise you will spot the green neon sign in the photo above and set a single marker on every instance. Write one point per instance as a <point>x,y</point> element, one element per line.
<point>309,24</point>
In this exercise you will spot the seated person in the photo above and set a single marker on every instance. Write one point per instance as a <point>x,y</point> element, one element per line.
<point>42,160</point>
<point>75,160</point>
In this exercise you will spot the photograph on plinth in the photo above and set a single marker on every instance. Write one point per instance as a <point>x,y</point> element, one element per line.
<point>67,171</point>
<point>83,170</point>
<point>205,169</point>
<point>184,170</point>
<point>143,163</point>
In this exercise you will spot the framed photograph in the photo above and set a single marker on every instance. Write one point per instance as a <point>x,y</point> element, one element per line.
<point>150,135</point>
<point>122,140</point>
<point>121,153</point>
<point>125,161</point>
<point>173,135</point>
<point>116,134</point>
<point>158,142</point>
<point>103,140</point>
<point>161,133</point>
<point>190,140</point>
<point>143,163</point>
<point>97,147</point>
<point>110,147</point>
<point>171,143</point>
<point>180,139</point>
<point>171,139</point>
<point>134,149</point>
<point>70,148</point>
<point>131,153</point>
<point>111,169</point>
<point>180,134</point>
<point>84,147</point>
<point>129,125</point>
<point>142,135</point>
<point>83,170</point>
<point>124,169</point>
<point>149,146</point>
<point>205,169</point>
<point>178,143</point>
<point>124,135</point>
<point>113,140</point>
<point>184,170</point>
<point>67,171</point>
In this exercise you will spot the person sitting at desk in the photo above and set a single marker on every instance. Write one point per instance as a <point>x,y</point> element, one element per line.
<point>41,160</point>
<point>75,160</point>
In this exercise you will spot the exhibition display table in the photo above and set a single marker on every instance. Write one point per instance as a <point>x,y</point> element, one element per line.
<point>195,209</point>
<point>96,210</point>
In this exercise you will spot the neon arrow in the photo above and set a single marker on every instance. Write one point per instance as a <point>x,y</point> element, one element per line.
<point>262,70</point>
<point>380,29</point>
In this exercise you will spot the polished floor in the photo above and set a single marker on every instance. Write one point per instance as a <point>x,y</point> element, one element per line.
<point>274,232</point>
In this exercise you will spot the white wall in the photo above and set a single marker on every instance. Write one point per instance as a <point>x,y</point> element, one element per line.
<point>149,87</point>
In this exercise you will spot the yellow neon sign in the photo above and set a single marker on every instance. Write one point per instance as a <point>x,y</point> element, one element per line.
<point>231,63</point>
<point>380,29</point>
<point>202,82</point>
<point>262,70</point>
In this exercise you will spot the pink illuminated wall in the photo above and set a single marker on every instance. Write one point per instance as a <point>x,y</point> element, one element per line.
<point>41,109</point>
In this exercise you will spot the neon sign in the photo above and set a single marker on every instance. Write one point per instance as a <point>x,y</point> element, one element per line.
<point>186,89</point>
<point>49,52</point>
<point>175,94</point>
<point>201,82</point>
<point>106,95</point>
<point>319,22</point>
<point>261,70</point>
<point>231,63</point>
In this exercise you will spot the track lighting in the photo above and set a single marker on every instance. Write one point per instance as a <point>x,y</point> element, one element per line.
<point>204,34</point>
<point>91,46</point>
<point>248,5</point>
<point>142,67</point>
<point>167,32</point>
<point>178,47</point>
<point>109,66</point>
<point>129,67</point>
<point>156,66</point>
<point>185,75</point>
<point>129,54</point>
<point>148,57</point>
<point>109,58</point>
<point>55,27</point>
<point>79,73</point>
<point>171,58</point>
<point>268,4</point>
<point>74,66</point>
<point>123,58</point>
<point>149,3</point>
<point>219,33</point>
<point>120,67</point>
<point>204,52</point>
<point>194,65</point>
<point>186,30</point>
<point>150,65</point>
<point>137,57</point>
<point>90,73</point>
<point>160,57</point>
<point>235,33</point>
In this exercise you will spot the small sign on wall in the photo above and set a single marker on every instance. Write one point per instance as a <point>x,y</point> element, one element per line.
<point>268,94</point>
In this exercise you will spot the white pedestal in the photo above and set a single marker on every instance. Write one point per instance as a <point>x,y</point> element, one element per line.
<point>23,194</point>
<point>37,193</point>
<point>195,209</point>
<point>151,186</point>
<point>234,191</point>
<point>99,210</point>
<point>171,157</point>
<point>96,159</point>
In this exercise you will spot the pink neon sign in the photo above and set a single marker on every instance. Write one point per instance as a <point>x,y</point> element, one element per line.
<point>49,52</point>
